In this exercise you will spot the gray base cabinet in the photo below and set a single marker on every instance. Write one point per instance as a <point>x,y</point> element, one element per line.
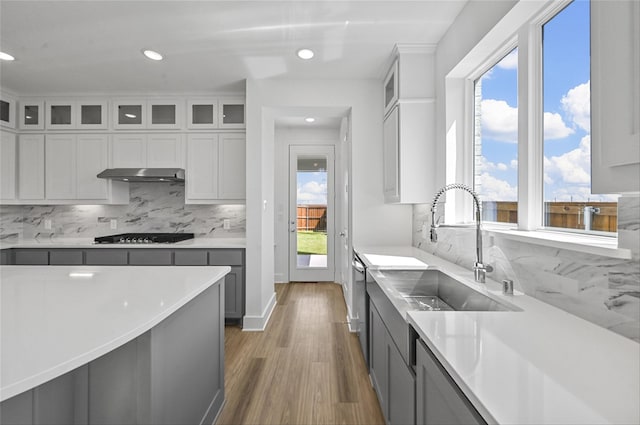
<point>392,378</point>
<point>172,374</point>
<point>438,399</point>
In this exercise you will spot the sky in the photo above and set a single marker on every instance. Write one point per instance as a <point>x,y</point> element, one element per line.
<point>312,187</point>
<point>566,102</point>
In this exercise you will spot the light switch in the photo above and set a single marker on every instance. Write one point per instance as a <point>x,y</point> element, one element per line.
<point>47,224</point>
<point>226,224</point>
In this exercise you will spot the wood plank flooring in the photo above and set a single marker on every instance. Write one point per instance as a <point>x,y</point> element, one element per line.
<point>305,368</point>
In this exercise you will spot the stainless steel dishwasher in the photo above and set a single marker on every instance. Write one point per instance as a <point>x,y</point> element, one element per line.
<point>361,303</point>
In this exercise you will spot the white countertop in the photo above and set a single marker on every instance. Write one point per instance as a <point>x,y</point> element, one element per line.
<point>540,365</point>
<point>55,319</point>
<point>58,242</point>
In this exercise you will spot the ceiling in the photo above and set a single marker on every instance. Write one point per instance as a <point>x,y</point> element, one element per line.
<point>82,47</point>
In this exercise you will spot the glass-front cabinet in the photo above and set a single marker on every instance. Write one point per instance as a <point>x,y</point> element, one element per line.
<point>164,114</point>
<point>7,111</point>
<point>202,113</point>
<point>231,112</point>
<point>31,115</point>
<point>391,88</point>
<point>129,114</point>
<point>61,115</point>
<point>92,114</point>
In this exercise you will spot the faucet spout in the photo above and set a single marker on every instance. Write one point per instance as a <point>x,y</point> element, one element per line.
<point>479,268</point>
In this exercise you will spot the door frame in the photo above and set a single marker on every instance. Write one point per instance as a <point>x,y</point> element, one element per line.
<point>312,274</point>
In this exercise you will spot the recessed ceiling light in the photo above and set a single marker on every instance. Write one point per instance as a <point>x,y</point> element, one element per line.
<point>151,54</point>
<point>309,119</point>
<point>6,56</point>
<point>305,53</point>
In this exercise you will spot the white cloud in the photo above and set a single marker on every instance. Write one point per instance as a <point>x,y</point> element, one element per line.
<point>312,192</point>
<point>486,165</point>
<point>514,164</point>
<point>510,61</point>
<point>554,127</point>
<point>499,120</point>
<point>571,167</point>
<point>494,189</point>
<point>577,104</point>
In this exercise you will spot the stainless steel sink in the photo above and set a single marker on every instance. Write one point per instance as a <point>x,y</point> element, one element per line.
<point>433,290</point>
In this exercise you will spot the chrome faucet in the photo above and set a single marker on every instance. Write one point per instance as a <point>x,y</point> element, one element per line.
<point>480,269</point>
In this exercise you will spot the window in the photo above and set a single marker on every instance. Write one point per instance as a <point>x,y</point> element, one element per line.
<point>496,140</point>
<point>568,202</point>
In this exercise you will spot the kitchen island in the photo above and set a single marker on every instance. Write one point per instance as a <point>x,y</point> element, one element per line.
<point>98,344</point>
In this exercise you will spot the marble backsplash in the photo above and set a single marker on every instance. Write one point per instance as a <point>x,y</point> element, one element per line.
<point>602,290</point>
<point>153,207</point>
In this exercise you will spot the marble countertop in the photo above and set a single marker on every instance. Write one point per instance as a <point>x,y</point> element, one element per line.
<point>536,365</point>
<point>46,242</point>
<point>55,319</point>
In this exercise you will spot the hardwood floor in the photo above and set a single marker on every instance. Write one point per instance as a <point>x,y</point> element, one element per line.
<point>305,368</point>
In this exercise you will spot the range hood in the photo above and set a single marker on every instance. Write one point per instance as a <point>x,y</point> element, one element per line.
<point>143,174</point>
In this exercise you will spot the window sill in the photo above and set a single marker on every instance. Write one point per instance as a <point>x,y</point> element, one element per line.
<point>589,244</point>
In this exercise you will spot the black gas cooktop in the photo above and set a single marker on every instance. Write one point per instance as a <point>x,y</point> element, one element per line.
<point>144,238</point>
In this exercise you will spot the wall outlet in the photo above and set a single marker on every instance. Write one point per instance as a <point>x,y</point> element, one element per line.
<point>425,232</point>
<point>47,224</point>
<point>226,224</point>
<point>113,223</point>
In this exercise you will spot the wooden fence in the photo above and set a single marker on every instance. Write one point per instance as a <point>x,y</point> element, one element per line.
<point>312,218</point>
<point>567,215</point>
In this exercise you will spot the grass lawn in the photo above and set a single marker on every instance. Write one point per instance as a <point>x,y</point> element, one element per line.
<point>312,243</point>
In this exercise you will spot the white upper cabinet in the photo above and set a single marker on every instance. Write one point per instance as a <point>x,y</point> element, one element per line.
<point>129,114</point>
<point>408,129</point>
<point>147,150</point>
<point>31,167</point>
<point>60,166</point>
<point>231,112</point>
<point>165,114</point>
<point>215,168</point>
<point>8,158</point>
<point>92,115</point>
<point>31,115</point>
<point>7,111</point>
<point>202,113</point>
<point>390,87</point>
<point>92,154</point>
<point>61,114</point>
<point>615,96</point>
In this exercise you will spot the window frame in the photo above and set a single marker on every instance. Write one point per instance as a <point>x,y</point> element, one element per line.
<point>528,39</point>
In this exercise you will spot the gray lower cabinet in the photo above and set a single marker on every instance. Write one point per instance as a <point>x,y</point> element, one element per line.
<point>234,294</point>
<point>31,257</point>
<point>392,378</point>
<point>172,374</point>
<point>106,257</point>
<point>5,257</point>
<point>150,257</point>
<point>66,257</point>
<point>438,399</point>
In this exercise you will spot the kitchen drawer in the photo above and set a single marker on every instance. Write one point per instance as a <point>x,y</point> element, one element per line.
<point>225,257</point>
<point>65,257</point>
<point>190,257</point>
<point>106,257</point>
<point>150,257</point>
<point>31,257</point>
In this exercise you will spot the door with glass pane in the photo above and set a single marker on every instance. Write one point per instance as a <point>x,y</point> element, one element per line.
<point>311,214</point>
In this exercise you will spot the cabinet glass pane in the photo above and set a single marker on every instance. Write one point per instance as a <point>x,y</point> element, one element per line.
<point>4,111</point>
<point>31,114</point>
<point>202,114</point>
<point>163,114</point>
<point>61,114</point>
<point>389,90</point>
<point>129,114</point>
<point>233,114</point>
<point>91,114</point>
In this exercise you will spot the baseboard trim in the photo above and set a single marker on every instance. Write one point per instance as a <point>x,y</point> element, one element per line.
<point>259,323</point>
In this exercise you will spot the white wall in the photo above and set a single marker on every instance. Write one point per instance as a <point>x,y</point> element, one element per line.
<point>374,222</point>
<point>285,137</point>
